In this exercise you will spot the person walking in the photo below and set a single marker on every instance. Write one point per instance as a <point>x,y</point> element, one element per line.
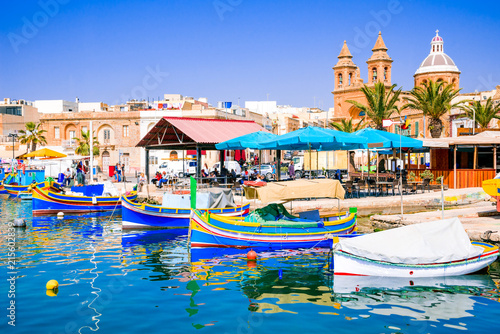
<point>118,175</point>
<point>291,171</point>
<point>123,173</point>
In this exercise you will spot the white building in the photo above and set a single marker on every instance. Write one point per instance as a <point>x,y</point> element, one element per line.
<point>92,106</point>
<point>55,106</point>
<point>262,107</point>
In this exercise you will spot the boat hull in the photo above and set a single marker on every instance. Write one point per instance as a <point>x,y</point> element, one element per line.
<point>348,264</point>
<point>491,187</point>
<point>48,202</point>
<point>217,231</point>
<point>136,215</point>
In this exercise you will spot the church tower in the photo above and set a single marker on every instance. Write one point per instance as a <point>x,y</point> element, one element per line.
<point>437,66</point>
<point>379,64</point>
<point>345,71</point>
<point>347,85</point>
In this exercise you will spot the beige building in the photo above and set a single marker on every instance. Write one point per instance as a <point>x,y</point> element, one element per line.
<point>13,117</point>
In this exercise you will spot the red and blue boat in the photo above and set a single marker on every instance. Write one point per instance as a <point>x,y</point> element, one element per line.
<point>141,215</point>
<point>49,202</point>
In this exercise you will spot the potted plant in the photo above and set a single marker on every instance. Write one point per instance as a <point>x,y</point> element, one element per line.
<point>427,174</point>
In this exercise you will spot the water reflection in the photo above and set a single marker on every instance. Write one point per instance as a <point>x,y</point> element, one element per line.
<point>105,272</point>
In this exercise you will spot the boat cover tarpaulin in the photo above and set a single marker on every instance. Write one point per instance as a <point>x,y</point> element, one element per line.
<point>432,242</point>
<point>214,198</point>
<point>291,190</point>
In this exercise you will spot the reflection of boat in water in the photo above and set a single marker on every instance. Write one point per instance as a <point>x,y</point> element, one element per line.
<point>132,238</point>
<point>422,299</point>
<point>348,284</point>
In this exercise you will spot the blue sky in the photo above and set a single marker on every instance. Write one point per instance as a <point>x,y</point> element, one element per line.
<point>228,49</point>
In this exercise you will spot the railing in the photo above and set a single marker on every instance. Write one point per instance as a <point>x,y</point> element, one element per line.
<point>466,178</point>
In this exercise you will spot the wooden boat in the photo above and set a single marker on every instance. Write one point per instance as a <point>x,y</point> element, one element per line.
<point>287,232</point>
<point>140,215</point>
<point>414,251</point>
<point>15,190</point>
<point>47,202</point>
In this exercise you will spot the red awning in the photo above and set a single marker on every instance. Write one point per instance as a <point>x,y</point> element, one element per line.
<point>188,133</point>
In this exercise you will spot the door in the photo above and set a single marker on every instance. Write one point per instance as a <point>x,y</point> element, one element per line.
<point>126,161</point>
<point>105,162</point>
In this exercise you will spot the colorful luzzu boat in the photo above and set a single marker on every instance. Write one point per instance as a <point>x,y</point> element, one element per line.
<point>23,180</point>
<point>432,249</point>
<point>15,190</point>
<point>287,232</point>
<point>49,202</point>
<point>140,215</point>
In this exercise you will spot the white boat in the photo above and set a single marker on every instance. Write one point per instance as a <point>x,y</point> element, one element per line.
<point>432,249</point>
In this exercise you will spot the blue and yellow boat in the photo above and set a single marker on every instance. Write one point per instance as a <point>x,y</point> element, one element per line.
<point>270,228</point>
<point>141,215</point>
<point>49,202</point>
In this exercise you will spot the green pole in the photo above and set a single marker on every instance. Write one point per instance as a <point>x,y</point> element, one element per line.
<point>193,192</point>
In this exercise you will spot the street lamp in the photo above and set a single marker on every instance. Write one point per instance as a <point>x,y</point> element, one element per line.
<point>14,136</point>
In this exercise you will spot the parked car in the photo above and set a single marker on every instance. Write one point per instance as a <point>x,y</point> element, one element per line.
<point>265,169</point>
<point>287,156</point>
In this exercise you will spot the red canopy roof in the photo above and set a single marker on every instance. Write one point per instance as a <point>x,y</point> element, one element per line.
<point>184,133</point>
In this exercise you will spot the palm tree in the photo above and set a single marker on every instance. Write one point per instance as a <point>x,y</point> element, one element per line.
<point>347,126</point>
<point>84,144</point>
<point>381,102</point>
<point>434,100</point>
<point>482,113</point>
<point>32,136</point>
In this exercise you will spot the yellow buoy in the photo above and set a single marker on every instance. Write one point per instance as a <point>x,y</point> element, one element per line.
<point>52,284</point>
<point>52,293</point>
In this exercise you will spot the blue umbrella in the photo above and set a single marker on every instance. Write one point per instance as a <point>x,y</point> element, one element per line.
<point>383,139</point>
<point>314,138</point>
<point>250,140</point>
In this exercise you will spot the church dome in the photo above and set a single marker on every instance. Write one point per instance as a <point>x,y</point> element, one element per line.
<point>437,60</point>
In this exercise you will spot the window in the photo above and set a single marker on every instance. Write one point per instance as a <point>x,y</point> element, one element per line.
<point>84,129</point>
<point>72,134</point>
<point>374,73</point>
<point>340,79</point>
<point>416,129</point>
<point>57,133</point>
<point>385,73</point>
<point>350,78</point>
<point>107,135</point>
<point>125,131</point>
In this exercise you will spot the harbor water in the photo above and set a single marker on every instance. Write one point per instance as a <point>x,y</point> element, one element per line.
<point>148,282</point>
